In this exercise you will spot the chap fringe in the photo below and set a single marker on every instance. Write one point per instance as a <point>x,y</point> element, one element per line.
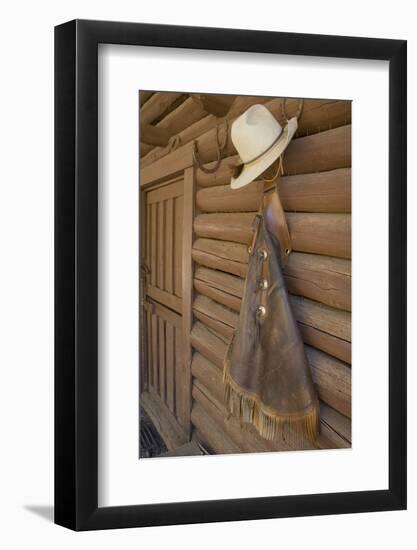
<point>293,429</point>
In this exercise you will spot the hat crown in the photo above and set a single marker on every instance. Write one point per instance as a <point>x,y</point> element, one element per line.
<point>254,132</point>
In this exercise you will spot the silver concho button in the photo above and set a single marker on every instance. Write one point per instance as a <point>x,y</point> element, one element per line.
<point>260,312</point>
<point>263,284</point>
<point>263,254</point>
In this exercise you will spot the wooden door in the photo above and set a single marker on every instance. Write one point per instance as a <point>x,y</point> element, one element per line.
<point>167,216</point>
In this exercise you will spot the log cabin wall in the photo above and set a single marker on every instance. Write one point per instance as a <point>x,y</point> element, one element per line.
<point>315,192</point>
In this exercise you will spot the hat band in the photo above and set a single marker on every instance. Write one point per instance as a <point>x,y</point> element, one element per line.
<point>266,150</point>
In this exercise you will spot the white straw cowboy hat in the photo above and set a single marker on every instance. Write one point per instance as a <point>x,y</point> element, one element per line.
<point>259,139</point>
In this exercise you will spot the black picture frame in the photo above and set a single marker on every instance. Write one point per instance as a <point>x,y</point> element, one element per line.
<point>76,272</point>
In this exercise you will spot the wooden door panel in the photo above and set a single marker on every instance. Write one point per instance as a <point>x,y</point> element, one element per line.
<point>168,229</point>
<point>165,365</point>
<point>178,234</point>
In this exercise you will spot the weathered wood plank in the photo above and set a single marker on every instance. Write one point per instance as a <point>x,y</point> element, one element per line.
<point>211,434</point>
<point>164,422</point>
<point>161,359</point>
<point>222,281</point>
<point>341,349</point>
<point>169,246</point>
<point>223,249</point>
<point>215,310</point>
<point>216,262</point>
<point>321,278</point>
<point>209,345</point>
<point>178,214</point>
<point>215,315</point>
<point>218,295</point>
<point>154,355</point>
<point>152,239</point>
<point>322,317</point>
<point>165,298</point>
<point>332,379</point>
<point>165,192</point>
<point>221,329</point>
<point>160,236</point>
<point>170,367</point>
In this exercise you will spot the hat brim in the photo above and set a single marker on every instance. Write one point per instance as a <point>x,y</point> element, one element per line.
<point>253,170</point>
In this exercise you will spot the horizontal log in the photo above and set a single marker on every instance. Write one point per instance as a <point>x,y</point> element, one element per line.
<point>318,153</point>
<point>144,96</point>
<point>315,153</point>
<point>208,344</point>
<point>332,345</point>
<point>222,281</point>
<point>209,260</point>
<point>321,152</point>
<point>317,115</point>
<point>332,379</point>
<point>144,148</point>
<point>222,255</point>
<point>313,314</point>
<point>339,424</point>
<point>156,105</point>
<point>151,135</point>
<point>210,375</point>
<point>331,376</point>
<point>321,278</point>
<point>327,319</point>
<point>320,192</point>
<point>205,130</point>
<point>223,249</point>
<point>219,295</point>
<point>215,104</point>
<point>335,428</point>
<point>221,176</point>
<point>211,434</point>
<point>223,331</point>
<point>227,227</point>
<point>222,198</point>
<point>341,349</point>
<point>186,114</point>
<point>215,315</point>
<point>326,234</point>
